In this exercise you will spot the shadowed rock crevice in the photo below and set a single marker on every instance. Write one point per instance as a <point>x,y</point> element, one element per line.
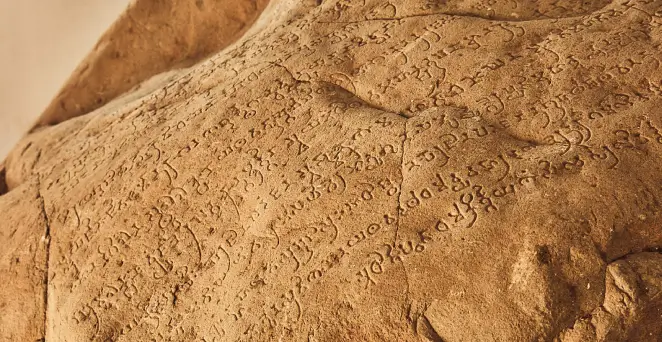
<point>46,239</point>
<point>498,11</point>
<point>632,303</point>
<point>3,181</point>
<point>428,330</point>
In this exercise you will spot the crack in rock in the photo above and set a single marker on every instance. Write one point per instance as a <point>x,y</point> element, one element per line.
<point>47,240</point>
<point>399,198</point>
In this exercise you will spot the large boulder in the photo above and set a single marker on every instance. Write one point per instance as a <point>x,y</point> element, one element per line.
<point>347,171</point>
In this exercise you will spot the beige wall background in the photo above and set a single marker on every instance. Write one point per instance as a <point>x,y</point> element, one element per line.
<point>41,42</point>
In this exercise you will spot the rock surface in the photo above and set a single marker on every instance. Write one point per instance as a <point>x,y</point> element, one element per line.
<point>352,171</point>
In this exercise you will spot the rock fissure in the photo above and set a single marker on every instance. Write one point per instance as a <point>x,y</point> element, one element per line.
<point>46,240</point>
<point>657,250</point>
<point>399,209</point>
<point>431,331</point>
<point>3,181</point>
<point>463,15</point>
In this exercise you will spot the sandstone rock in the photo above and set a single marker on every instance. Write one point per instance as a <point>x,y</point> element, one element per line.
<point>349,170</point>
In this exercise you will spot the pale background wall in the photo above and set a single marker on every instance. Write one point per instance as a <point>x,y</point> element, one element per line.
<point>41,42</point>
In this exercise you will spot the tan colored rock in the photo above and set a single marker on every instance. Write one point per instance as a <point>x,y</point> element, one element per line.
<point>149,38</point>
<point>362,171</point>
<point>23,259</point>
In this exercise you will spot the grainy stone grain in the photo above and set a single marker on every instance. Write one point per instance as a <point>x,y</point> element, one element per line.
<point>351,171</point>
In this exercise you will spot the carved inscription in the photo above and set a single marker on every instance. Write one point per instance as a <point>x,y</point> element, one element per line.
<point>360,157</point>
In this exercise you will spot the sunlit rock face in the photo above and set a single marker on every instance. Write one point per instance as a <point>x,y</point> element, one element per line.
<point>350,171</point>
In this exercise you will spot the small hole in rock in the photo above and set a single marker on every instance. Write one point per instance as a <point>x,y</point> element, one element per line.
<point>543,254</point>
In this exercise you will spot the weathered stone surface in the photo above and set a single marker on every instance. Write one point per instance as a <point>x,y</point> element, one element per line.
<point>23,259</point>
<point>149,38</point>
<point>366,171</point>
